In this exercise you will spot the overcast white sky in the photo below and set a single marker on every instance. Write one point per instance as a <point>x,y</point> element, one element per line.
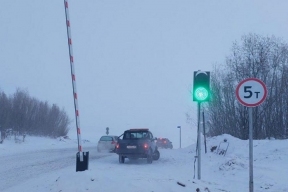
<point>134,60</point>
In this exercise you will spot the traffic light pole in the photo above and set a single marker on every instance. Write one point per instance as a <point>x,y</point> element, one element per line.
<point>204,131</point>
<point>199,142</point>
<point>201,93</point>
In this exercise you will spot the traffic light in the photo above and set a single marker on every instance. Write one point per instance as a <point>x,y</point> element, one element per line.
<point>201,86</point>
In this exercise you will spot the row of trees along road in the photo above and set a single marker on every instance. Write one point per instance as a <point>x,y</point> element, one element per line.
<point>265,58</point>
<point>25,114</point>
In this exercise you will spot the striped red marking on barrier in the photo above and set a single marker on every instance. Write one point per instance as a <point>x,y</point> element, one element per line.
<point>73,75</point>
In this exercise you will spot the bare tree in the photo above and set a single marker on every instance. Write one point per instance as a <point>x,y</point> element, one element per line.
<point>5,111</point>
<point>28,115</point>
<point>265,58</point>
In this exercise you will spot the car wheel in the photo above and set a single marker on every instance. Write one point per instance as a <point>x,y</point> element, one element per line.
<point>121,159</point>
<point>150,157</point>
<point>156,155</point>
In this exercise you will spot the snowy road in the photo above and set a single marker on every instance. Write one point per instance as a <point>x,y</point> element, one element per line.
<point>21,167</point>
<point>50,166</point>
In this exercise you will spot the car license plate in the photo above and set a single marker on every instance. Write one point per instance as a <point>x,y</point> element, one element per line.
<point>131,147</point>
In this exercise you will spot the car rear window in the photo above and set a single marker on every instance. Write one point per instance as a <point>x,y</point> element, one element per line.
<point>106,138</point>
<point>136,135</point>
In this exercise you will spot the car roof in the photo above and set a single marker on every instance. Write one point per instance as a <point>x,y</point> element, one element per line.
<point>138,129</point>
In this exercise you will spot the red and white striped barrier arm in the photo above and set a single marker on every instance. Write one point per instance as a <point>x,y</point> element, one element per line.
<point>73,77</point>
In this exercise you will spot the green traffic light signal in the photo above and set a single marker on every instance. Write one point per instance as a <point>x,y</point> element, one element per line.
<point>201,86</point>
<point>201,94</point>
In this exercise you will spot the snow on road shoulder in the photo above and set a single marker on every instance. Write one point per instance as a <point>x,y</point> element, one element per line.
<point>33,143</point>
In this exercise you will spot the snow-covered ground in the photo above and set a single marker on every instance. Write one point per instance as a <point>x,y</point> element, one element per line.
<point>105,174</point>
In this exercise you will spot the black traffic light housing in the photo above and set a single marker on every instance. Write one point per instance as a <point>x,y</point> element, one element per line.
<point>201,86</point>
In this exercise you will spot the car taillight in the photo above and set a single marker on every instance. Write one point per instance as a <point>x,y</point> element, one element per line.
<point>164,141</point>
<point>117,146</point>
<point>145,146</point>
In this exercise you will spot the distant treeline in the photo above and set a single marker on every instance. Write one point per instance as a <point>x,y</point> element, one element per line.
<point>27,115</point>
<point>265,58</point>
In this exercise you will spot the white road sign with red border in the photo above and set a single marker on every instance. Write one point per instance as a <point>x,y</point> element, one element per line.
<point>251,92</point>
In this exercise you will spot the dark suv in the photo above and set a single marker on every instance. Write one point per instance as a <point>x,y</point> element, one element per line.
<point>137,143</point>
<point>164,143</point>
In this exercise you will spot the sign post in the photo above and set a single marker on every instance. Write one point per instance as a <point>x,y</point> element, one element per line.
<point>251,92</point>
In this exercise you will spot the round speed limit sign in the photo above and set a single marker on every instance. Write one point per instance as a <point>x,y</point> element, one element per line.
<point>251,92</point>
